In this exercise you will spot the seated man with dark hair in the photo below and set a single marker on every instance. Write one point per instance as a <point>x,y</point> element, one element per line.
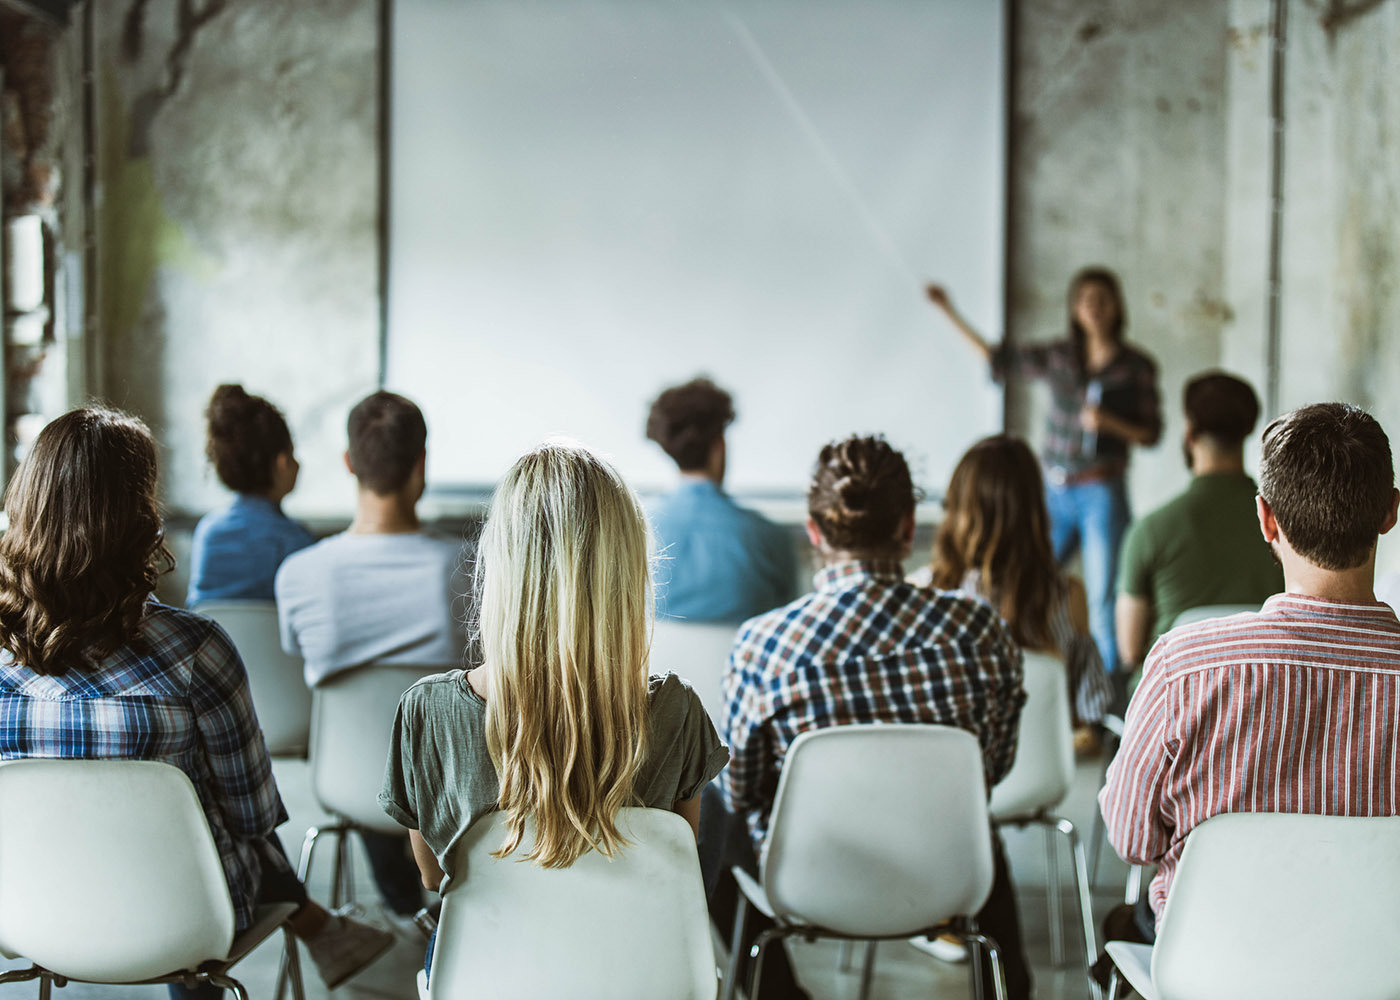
<point>1290,709</point>
<point>383,591</point>
<point>1202,547</point>
<point>720,561</point>
<point>867,646</point>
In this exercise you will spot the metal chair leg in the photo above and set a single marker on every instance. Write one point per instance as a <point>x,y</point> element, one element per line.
<point>1079,870</point>
<point>867,972</point>
<point>1113,982</point>
<point>993,957</point>
<point>1052,900</point>
<point>848,954</point>
<point>736,944</point>
<point>760,946</point>
<point>45,988</point>
<point>972,941</point>
<point>229,983</point>
<point>1133,890</point>
<point>338,870</point>
<point>308,844</point>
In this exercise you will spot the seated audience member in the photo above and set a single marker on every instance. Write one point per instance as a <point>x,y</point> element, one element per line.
<point>91,666</point>
<point>718,561</point>
<point>560,724</point>
<point>994,541</point>
<point>236,551</point>
<point>1303,692</point>
<point>1203,547</point>
<point>865,647</point>
<point>383,591</point>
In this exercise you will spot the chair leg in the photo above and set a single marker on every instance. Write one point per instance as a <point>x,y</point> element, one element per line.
<point>1080,873</point>
<point>20,975</point>
<point>45,988</point>
<point>736,945</point>
<point>760,946</point>
<point>347,871</point>
<point>972,941</point>
<point>848,954</point>
<point>338,870</point>
<point>994,957</point>
<point>289,969</point>
<point>1052,901</point>
<point>308,844</point>
<point>228,983</point>
<point>1133,890</point>
<point>1113,981</point>
<point>867,972</point>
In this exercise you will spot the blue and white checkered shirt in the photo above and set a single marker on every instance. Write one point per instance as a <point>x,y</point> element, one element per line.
<point>865,647</point>
<point>180,695</point>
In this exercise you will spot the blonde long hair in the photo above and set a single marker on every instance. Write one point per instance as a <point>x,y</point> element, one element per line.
<point>564,595</point>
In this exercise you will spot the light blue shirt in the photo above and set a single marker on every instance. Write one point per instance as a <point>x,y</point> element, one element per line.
<point>236,551</point>
<point>717,561</point>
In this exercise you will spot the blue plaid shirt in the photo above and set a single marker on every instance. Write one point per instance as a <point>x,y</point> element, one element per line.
<point>865,647</point>
<point>183,699</point>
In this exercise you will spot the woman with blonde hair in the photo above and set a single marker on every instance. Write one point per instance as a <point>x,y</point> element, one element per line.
<point>560,725</point>
<point>994,541</point>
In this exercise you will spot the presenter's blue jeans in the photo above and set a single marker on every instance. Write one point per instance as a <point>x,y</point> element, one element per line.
<point>1091,518</point>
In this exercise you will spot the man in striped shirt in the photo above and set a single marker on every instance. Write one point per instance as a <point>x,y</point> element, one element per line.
<point>1295,708</point>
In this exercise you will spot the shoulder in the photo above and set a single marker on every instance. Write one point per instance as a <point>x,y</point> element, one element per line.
<point>668,693</point>
<point>1135,357</point>
<point>436,693</point>
<point>306,560</point>
<point>174,633</point>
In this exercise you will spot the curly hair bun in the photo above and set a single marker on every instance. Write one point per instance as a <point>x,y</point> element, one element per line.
<point>246,434</point>
<point>860,493</point>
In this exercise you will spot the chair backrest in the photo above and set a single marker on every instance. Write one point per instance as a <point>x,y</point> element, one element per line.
<point>698,652</point>
<point>1388,590</point>
<point>634,926</point>
<point>879,830</point>
<point>1193,615</point>
<point>1285,907</point>
<point>280,694</point>
<point>109,870</point>
<point>352,716</point>
<point>1044,767</point>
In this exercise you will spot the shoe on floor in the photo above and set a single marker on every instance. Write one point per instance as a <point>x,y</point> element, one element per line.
<point>945,948</point>
<point>344,946</point>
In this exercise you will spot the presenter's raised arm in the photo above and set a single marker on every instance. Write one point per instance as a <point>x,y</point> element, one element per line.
<point>938,295</point>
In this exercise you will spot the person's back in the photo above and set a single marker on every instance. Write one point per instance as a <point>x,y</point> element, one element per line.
<point>1295,708</point>
<point>717,561</point>
<point>354,599</point>
<point>236,551</point>
<point>1201,547</point>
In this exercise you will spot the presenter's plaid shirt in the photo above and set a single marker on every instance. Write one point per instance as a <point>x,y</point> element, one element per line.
<point>865,647</point>
<point>179,695</point>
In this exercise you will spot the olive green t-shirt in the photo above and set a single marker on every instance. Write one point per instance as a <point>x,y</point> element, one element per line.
<point>439,778</point>
<point>1202,547</point>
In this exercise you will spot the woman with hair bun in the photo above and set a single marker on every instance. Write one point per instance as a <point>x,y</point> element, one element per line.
<point>237,550</point>
<point>994,541</point>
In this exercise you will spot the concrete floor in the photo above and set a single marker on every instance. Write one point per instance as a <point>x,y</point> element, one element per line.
<point>900,970</point>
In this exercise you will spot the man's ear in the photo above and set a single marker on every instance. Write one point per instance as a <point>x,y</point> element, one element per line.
<point>1389,521</point>
<point>814,534</point>
<point>348,467</point>
<point>1268,526</point>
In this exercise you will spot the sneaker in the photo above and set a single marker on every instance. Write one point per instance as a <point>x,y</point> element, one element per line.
<point>945,948</point>
<point>344,946</point>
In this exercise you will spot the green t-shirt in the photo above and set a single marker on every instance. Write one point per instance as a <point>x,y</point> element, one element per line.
<point>1203,547</point>
<point>439,777</point>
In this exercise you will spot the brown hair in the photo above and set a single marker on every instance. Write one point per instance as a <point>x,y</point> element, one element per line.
<point>1109,281</point>
<point>860,493</point>
<point>85,545</point>
<point>1221,407</point>
<point>686,420</point>
<point>1326,473</point>
<point>387,437</point>
<point>995,522</point>
<point>246,434</point>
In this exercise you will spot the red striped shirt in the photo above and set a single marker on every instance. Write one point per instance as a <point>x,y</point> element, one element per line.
<point>1295,708</point>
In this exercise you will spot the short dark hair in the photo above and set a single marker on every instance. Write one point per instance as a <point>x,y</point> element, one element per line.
<point>1326,473</point>
<point>387,437</point>
<point>686,420</point>
<point>860,492</point>
<point>246,434</point>
<point>1220,406</point>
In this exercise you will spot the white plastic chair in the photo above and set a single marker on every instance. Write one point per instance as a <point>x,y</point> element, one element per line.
<point>352,716</point>
<point>635,926</point>
<point>1038,781</point>
<point>280,694</point>
<point>877,832</point>
<point>1388,590</point>
<point>1277,906</point>
<point>111,876</point>
<point>697,652</point>
<point>1206,611</point>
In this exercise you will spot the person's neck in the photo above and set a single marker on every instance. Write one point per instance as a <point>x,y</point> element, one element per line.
<point>375,514</point>
<point>835,557</point>
<point>699,476</point>
<point>1348,586</point>
<point>1208,462</point>
<point>1099,349</point>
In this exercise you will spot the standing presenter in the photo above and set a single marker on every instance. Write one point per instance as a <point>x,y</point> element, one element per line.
<point>1104,399</point>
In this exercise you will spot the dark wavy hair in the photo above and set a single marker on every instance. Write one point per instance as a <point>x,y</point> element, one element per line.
<point>1107,280</point>
<point>860,492</point>
<point>686,420</point>
<point>995,522</point>
<point>246,434</point>
<point>85,545</point>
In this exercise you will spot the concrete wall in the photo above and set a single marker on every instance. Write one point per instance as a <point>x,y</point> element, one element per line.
<point>238,240</point>
<point>237,214</point>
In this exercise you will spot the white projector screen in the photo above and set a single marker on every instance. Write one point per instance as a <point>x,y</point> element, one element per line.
<point>593,199</point>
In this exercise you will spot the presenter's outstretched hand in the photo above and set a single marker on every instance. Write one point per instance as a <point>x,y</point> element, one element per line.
<point>938,295</point>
